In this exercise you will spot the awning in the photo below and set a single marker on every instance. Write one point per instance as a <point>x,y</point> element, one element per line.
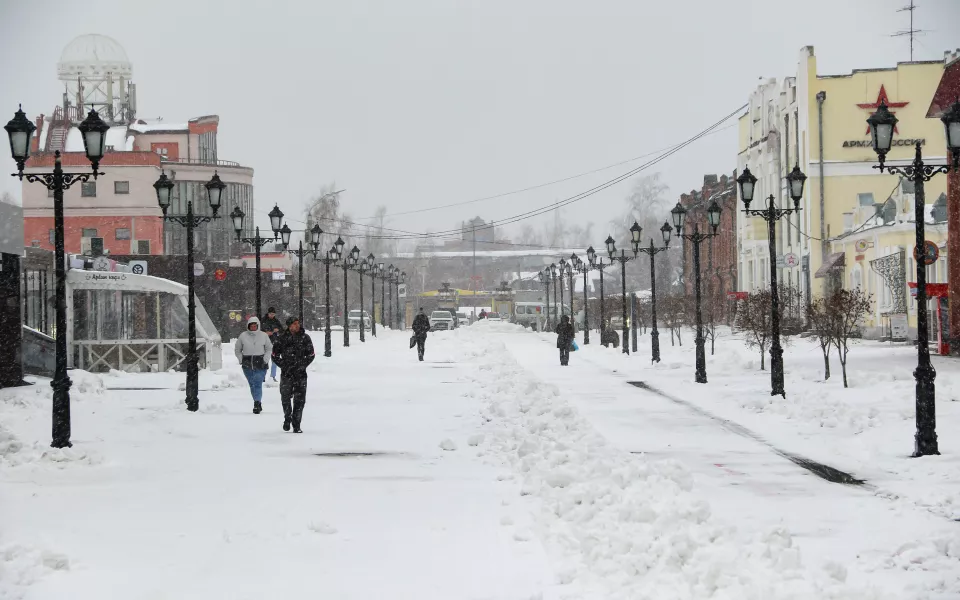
<point>834,261</point>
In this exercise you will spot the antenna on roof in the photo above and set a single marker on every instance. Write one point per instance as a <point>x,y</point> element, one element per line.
<point>911,32</point>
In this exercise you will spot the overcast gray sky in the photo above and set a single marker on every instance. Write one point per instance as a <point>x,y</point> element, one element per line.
<point>418,103</point>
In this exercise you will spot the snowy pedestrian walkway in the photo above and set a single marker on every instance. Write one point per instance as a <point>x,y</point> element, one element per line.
<point>155,502</point>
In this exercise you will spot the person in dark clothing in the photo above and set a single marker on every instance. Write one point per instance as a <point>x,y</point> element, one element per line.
<point>565,338</point>
<point>483,314</point>
<point>271,326</point>
<point>293,353</point>
<point>421,325</point>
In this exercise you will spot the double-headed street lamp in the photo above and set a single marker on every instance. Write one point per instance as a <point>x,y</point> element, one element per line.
<point>300,253</point>
<point>388,277</point>
<point>596,262</point>
<point>554,276</point>
<point>584,268</point>
<point>882,127</point>
<point>331,258</point>
<point>572,267</point>
<point>276,218</point>
<point>561,274</point>
<point>679,215</point>
<point>771,214</point>
<point>94,132</point>
<point>373,269</point>
<point>544,278</point>
<point>400,277</point>
<point>623,259</point>
<point>164,188</point>
<point>360,266</point>
<point>652,251</point>
<point>349,262</point>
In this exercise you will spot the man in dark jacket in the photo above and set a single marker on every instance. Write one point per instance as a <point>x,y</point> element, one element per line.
<point>293,352</point>
<point>271,326</point>
<point>421,325</point>
<point>565,337</point>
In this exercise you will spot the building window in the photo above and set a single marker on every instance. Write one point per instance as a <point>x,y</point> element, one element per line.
<point>53,236</point>
<point>122,233</point>
<point>89,189</point>
<point>940,209</point>
<point>865,199</point>
<point>89,233</point>
<point>121,187</point>
<point>143,246</point>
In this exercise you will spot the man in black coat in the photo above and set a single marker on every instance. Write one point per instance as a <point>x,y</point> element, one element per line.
<point>565,337</point>
<point>421,325</point>
<point>293,353</point>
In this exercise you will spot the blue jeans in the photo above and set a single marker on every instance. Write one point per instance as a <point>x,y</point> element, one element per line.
<point>273,370</point>
<point>255,381</point>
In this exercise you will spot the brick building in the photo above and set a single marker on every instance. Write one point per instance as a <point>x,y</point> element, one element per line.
<point>718,255</point>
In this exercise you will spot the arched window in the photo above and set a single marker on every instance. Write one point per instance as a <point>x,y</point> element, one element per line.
<point>889,211</point>
<point>940,209</point>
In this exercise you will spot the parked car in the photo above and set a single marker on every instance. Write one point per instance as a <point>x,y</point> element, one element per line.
<point>354,319</point>
<point>453,313</point>
<point>441,320</point>
<point>494,317</point>
<point>462,318</point>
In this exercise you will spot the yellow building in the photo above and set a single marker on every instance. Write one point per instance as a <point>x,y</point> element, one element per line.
<point>855,222</point>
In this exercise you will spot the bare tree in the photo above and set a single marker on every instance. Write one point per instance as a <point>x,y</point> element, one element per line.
<point>673,314</point>
<point>753,319</point>
<point>847,309</point>
<point>819,316</point>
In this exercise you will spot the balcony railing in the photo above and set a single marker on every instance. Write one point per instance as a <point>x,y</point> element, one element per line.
<point>201,161</point>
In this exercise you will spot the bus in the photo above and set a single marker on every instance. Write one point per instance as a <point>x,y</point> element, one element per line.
<point>529,313</point>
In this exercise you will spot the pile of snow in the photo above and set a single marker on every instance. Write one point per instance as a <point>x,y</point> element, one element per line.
<point>620,525</point>
<point>14,453</point>
<point>22,566</point>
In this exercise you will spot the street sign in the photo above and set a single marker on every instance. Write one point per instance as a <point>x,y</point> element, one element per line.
<point>220,274</point>
<point>737,295</point>
<point>198,269</point>
<point>791,260</point>
<point>101,263</point>
<point>930,253</point>
<point>402,293</point>
<point>138,267</point>
<point>861,246</point>
<point>898,326</point>
<point>279,276</point>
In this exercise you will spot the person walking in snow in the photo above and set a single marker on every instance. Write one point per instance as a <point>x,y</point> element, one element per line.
<point>421,325</point>
<point>253,348</point>
<point>483,314</point>
<point>272,327</point>
<point>565,337</point>
<point>293,352</point>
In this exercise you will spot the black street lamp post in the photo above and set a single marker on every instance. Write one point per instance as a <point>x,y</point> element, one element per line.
<point>331,258</point>
<point>553,277</point>
<point>20,129</point>
<point>276,217</point>
<point>571,268</point>
<point>771,214</point>
<point>389,279</point>
<point>382,274</point>
<point>300,253</point>
<point>190,220</point>
<point>623,259</point>
<point>401,278</point>
<point>348,262</point>
<point>374,269</point>
<point>584,268</point>
<point>596,262</point>
<point>679,214</point>
<point>359,265</point>
<point>652,251</point>
<point>882,127</point>
<point>561,273</point>
<point>545,280</point>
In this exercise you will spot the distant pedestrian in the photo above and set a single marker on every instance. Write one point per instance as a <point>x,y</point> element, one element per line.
<point>565,337</point>
<point>253,348</point>
<point>483,314</point>
<point>272,327</point>
<point>293,352</point>
<point>421,325</point>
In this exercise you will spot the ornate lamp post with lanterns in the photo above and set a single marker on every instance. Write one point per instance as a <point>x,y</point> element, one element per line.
<point>331,258</point>
<point>652,251</point>
<point>623,259</point>
<point>882,127</point>
<point>679,214</point>
<point>190,220</point>
<point>300,253</point>
<point>276,219</point>
<point>771,214</point>
<point>94,132</point>
<point>596,262</point>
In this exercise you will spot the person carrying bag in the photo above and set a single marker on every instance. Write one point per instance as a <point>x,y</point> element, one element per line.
<point>253,348</point>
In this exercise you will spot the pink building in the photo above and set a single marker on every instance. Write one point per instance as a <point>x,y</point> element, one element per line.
<point>120,209</point>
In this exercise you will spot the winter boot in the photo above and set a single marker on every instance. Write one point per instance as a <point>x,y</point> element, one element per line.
<point>296,429</point>
<point>257,407</point>
<point>286,423</point>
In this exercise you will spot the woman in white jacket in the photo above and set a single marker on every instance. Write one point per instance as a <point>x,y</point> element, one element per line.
<point>253,350</point>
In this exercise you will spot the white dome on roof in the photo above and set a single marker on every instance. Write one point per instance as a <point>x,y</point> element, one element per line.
<point>93,55</point>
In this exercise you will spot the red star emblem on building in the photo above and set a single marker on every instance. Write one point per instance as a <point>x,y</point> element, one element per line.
<point>882,97</point>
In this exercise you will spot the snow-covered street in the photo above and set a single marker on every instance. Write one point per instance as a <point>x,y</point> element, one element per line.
<point>486,472</point>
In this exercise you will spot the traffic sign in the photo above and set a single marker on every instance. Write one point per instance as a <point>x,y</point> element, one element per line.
<point>220,274</point>
<point>790,259</point>
<point>198,269</point>
<point>930,253</point>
